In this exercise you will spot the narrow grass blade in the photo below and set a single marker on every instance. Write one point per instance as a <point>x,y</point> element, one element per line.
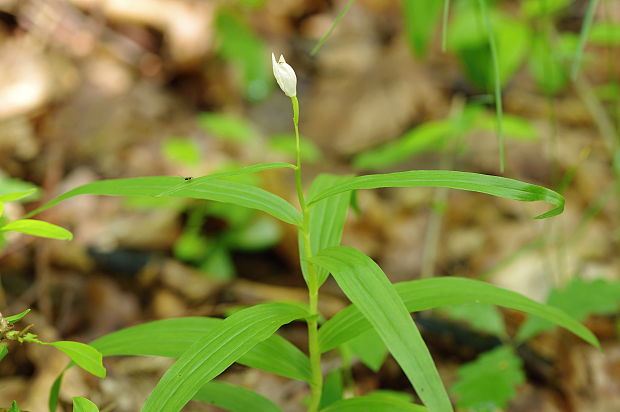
<point>84,405</point>
<point>217,350</point>
<point>172,337</point>
<point>583,38</point>
<point>234,398</point>
<point>474,182</point>
<point>37,228</point>
<point>497,85</point>
<point>11,197</point>
<point>209,189</point>
<point>324,38</point>
<point>432,293</point>
<point>326,220</point>
<point>374,403</point>
<point>365,284</point>
<point>444,25</point>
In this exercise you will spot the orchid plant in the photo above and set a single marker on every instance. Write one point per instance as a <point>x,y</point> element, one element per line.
<point>205,347</point>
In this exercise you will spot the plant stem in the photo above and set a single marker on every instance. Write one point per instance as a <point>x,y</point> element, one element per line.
<point>316,385</point>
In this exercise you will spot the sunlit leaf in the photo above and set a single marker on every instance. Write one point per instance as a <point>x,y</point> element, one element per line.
<point>83,405</point>
<point>234,398</point>
<point>11,197</point>
<point>182,151</point>
<point>227,127</point>
<point>475,182</point>
<point>215,351</point>
<point>365,284</point>
<point>85,356</point>
<point>171,337</point>
<point>427,294</point>
<point>605,33</point>
<point>37,228</point>
<point>489,382</point>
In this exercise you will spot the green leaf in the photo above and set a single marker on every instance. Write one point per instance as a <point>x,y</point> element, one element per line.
<point>515,127</point>
<point>421,18</point>
<point>546,66</point>
<point>37,228</point>
<point>482,317</point>
<point>605,34</point>
<point>374,403</point>
<point>227,127</point>
<point>424,138</point>
<point>182,151</point>
<point>489,382</point>
<point>247,52</point>
<point>427,294</point>
<point>579,299</point>
<point>85,356</point>
<point>332,388</point>
<point>369,289</point>
<point>234,398</point>
<point>54,395</point>
<point>583,37</point>
<point>18,317</point>
<point>14,407</point>
<point>327,219</point>
<point>171,337</point>
<point>83,405</point>
<point>209,189</point>
<point>369,347</point>
<point>538,8</point>
<point>212,353</point>
<point>3,351</point>
<point>475,182</point>
<point>11,197</point>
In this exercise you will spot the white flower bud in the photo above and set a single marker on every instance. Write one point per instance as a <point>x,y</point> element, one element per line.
<point>285,76</point>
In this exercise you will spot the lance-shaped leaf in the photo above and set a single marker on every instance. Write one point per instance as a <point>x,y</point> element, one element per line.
<point>85,356</point>
<point>217,350</point>
<point>474,182</point>
<point>172,337</point>
<point>326,221</point>
<point>431,293</point>
<point>37,228</point>
<point>374,403</point>
<point>365,284</point>
<point>234,398</point>
<point>209,189</point>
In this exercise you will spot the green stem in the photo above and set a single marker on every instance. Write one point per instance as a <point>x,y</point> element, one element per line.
<point>316,385</point>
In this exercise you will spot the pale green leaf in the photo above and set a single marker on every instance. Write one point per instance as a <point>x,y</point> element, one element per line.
<point>489,382</point>
<point>426,294</point>
<point>475,182</point>
<point>85,356</point>
<point>37,228</point>
<point>83,405</point>
<point>605,33</point>
<point>182,151</point>
<point>365,284</point>
<point>171,337</point>
<point>215,351</point>
<point>327,219</point>
<point>209,189</point>
<point>234,398</point>
<point>14,407</point>
<point>11,197</point>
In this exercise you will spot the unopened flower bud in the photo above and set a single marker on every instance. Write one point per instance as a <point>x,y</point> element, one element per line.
<point>285,76</point>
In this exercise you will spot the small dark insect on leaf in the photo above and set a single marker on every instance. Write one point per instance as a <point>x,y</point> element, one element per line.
<point>188,178</point>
